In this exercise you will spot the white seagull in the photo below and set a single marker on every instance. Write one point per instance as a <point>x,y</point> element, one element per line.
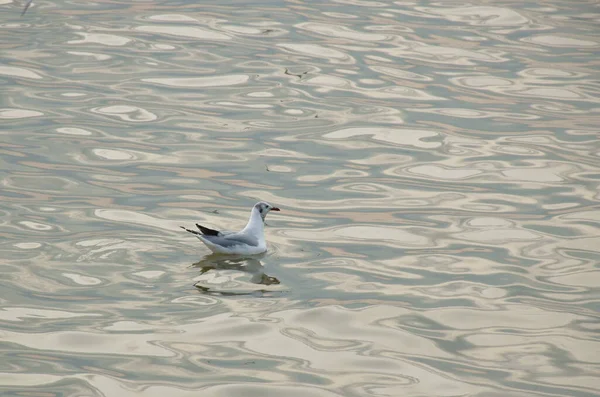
<point>249,241</point>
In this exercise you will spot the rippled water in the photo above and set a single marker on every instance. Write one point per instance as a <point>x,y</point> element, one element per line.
<point>437,166</point>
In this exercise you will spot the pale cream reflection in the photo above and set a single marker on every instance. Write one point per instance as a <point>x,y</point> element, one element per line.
<point>560,41</point>
<point>107,249</point>
<point>73,131</point>
<point>45,184</point>
<point>23,313</point>
<point>127,113</point>
<point>28,246</point>
<point>479,15</point>
<point>112,154</point>
<point>8,113</point>
<point>96,56</point>
<point>72,94</point>
<point>383,159</point>
<point>544,172</point>
<point>581,349</point>
<point>197,82</point>
<point>480,295</point>
<point>525,87</point>
<point>192,32</point>
<point>149,274</point>
<point>544,73</point>
<point>476,113</point>
<point>88,342</point>
<point>104,156</point>
<point>495,231</point>
<point>365,234</point>
<point>36,225</point>
<point>326,83</point>
<point>127,326</point>
<point>335,175</point>
<point>238,105</point>
<point>100,38</point>
<point>444,173</point>
<point>344,283</point>
<point>174,18</point>
<point>415,50</point>
<point>588,279</point>
<point>242,30</point>
<point>136,218</point>
<point>110,386</point>
<point>32,379</point>
<point>397,136</point>
<point>400,73</point>
<point>577,381</point>
<point>514,316</point>
<point>448,262</point>
<point>316,50</point>
<point>338,31</point>
<point>81,279</point>
<point>362,3</point>
<point>19,72</point>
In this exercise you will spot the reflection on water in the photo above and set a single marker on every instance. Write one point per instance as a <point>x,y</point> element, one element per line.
<point>224,273</point>
<point>437,164</point>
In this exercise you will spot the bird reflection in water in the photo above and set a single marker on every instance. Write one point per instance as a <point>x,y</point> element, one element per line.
<point>249,264</point>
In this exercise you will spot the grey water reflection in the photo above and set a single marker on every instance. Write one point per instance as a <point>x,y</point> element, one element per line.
<point>437,165</point>
<point>220,274</point>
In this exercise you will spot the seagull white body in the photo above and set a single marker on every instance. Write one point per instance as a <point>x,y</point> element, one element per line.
<point>248,241</point>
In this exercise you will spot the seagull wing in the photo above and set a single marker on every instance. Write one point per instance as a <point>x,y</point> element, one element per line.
<point>232,239</point>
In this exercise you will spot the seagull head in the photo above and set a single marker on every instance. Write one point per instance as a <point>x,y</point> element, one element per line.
<point>263,208</point>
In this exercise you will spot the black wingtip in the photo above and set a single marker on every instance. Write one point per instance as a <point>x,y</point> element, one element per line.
<point>208,232</point>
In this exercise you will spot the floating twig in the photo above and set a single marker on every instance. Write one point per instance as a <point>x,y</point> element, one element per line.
<point>26,7</point>
<point>287,71</point>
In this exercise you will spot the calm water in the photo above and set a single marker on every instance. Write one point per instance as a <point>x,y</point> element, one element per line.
<point>437,166</point>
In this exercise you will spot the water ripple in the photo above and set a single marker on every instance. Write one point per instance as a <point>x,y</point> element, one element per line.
<point>436,166</point>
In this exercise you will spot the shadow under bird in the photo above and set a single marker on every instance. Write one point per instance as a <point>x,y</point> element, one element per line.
<point>248,241</point>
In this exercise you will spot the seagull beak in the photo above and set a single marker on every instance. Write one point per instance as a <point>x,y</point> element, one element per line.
<point>275,209</point>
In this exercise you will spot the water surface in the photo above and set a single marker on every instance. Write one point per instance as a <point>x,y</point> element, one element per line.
<point>437,166</point>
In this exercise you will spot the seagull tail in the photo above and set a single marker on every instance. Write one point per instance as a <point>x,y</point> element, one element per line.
<point>191,231</point>
<point>208,232</point>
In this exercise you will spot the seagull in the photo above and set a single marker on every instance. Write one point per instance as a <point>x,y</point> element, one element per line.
<point>248,241</point>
